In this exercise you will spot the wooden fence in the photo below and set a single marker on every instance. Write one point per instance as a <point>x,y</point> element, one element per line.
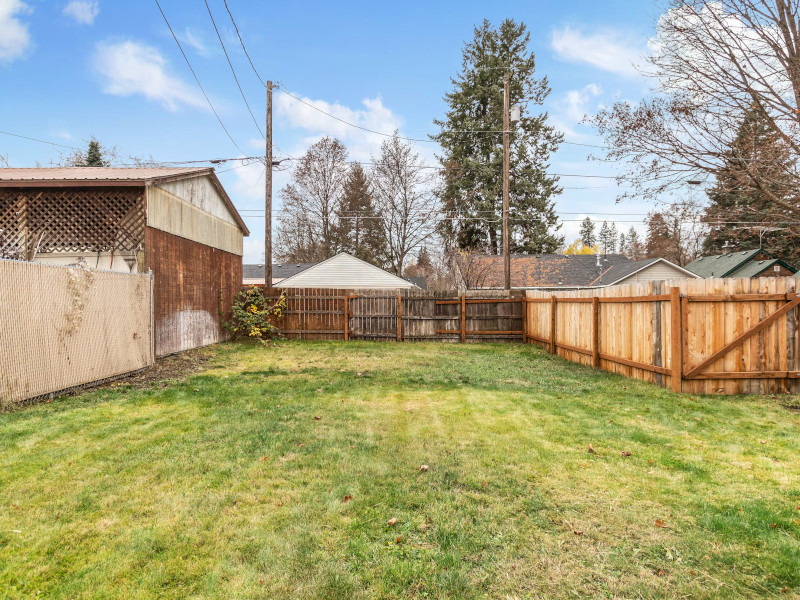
<point>401,315</point>
<point>723,336</point>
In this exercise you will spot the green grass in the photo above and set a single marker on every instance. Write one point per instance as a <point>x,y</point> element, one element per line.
<point>231,483</point>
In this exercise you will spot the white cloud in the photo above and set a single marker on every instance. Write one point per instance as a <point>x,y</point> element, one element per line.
<point>572,107</point>
<point>14,35</point>
<point>82,11</point>
<point>195,41</point>
<point>130,68</point>
<point>605,49</point>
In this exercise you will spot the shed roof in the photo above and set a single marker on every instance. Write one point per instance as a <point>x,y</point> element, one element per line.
<point>8,177</point>
<point>720,265</point>
<point>109,177</point>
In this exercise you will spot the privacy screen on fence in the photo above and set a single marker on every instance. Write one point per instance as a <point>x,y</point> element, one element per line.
<point>62,327</point>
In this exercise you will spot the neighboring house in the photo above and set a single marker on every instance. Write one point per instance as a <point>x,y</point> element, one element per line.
<point>343,271</point>
<point>747,263</point>
<point>565,271</point>
<point>254,274</point>
<point>176,222</point>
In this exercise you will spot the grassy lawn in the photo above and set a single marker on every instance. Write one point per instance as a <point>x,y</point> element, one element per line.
<point>274,473</point>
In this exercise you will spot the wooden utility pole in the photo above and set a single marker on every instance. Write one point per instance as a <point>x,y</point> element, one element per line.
<point>506,168</point>
<point>268,194</point>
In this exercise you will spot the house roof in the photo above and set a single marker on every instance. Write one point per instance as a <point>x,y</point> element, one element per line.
<point>755,267</point>
<point>279,271</point>
<point>344,271</point>
<point>111,176</point>
<point>720,265</point>
<point>620,272</point>
<point>546,270</point>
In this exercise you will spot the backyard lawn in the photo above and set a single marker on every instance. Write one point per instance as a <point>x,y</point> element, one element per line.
<point>294,472</point>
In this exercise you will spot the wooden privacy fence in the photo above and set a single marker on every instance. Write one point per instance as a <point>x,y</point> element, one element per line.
<point>401,315</point>
<point>63,327</point>
<point>725,336</point>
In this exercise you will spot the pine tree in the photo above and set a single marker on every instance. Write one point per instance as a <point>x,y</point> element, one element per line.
<point>94,155</point>
<point>588,237</point>
<point>359,228</point>
<point>472,150</point>
<point>759,153</point>
<point>634,249</point>
<point>608,238</point>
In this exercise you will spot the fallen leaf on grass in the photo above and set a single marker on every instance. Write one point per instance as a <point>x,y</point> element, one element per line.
<point>660,523</point>
<point>577,532</point>
<point>391,522</point>
<point>317,418</point>
<point>398,539</point>
<point>796,522</point>
<point>485,484</point>
<point>773,525</point>
<point>423,468</point>
<point>263,458</point>
<point>762,441</point>
<point>625,453</point>
<point>347,498</point>
<point>592,450</point>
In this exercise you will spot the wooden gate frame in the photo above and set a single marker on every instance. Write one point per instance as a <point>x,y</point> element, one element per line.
<point>697,371</point>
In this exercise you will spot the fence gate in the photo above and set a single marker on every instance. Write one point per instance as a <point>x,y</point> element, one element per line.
<point>785,304</point>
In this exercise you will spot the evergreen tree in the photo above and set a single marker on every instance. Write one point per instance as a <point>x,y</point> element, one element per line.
<point>759,153</point>
<point>472,150</point>
<point>623,244</point>
<point>359,227</point>
<point>94,155</point>
<point>608,238</point>
<point>588,237</point>
<point>634,249</point>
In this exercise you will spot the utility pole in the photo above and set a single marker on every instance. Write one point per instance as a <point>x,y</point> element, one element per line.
<point>268,194</point>
<point>506,168</point>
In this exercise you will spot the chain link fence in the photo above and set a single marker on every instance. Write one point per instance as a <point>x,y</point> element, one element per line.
<point>64,327</point>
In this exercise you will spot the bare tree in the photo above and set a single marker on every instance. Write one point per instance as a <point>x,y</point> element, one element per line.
<point>712,61</point>
<point>405,199</point>
<point>307,223</point>
<point>4,161</point>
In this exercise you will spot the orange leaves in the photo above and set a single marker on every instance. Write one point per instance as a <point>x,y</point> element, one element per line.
<point>347,498</point>
<point>662,524</point>
<point>392,522</point>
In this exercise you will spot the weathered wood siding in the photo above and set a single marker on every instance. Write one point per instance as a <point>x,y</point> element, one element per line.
<point>195,286</point>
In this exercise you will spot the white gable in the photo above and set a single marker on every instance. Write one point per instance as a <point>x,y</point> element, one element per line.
<point>345,272</point>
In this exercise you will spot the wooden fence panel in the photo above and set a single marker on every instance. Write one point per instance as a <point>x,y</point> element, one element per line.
<point>723,336</point>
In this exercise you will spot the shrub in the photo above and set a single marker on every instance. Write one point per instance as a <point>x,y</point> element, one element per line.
<point>255,316</point>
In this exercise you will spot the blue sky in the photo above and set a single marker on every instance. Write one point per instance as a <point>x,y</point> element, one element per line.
<point>70,70</point>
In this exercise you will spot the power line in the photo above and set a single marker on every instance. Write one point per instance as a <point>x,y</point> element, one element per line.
<point>25,137</point>
<point>219,37</point>
<point>186,58</point>
<point>241,41</point>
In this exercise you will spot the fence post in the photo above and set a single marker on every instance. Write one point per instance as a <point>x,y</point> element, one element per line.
<point>596,332</point>
<point>152,320</point>
<point>463,318</point>
<point>346,318</point>
<point>525,318</point>
<point>399,318</point>
<point>553,303</point>
<point>675,338</point>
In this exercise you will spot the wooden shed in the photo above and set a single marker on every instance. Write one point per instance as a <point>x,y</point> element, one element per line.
<point>178,223</point>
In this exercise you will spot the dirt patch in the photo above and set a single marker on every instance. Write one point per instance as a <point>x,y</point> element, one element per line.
<point>166,369</point>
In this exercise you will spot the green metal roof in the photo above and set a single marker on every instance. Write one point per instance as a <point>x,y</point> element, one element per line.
<point>721,265</point>
<point>755,267</point>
